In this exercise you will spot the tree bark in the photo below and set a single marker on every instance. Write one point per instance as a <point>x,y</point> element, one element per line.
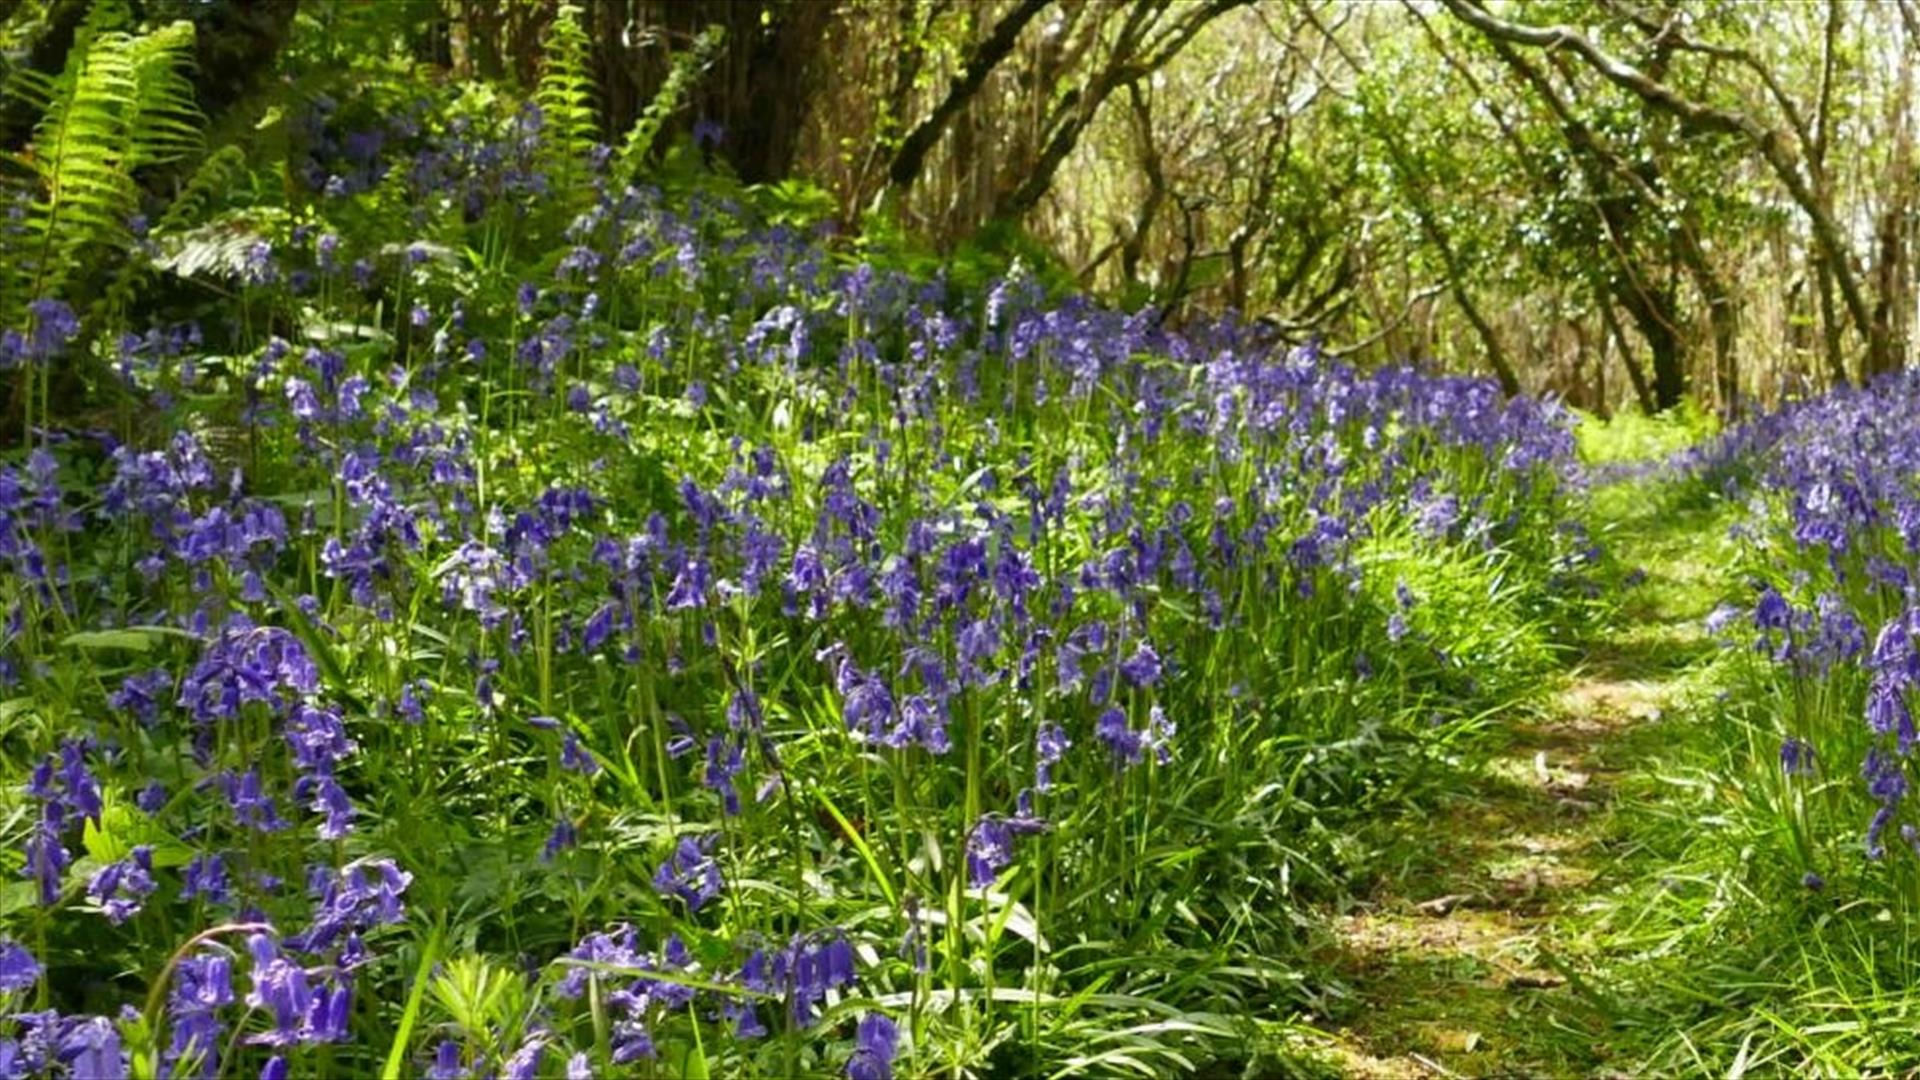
<point>1136,241</point>
<point>236,49</point>
<point>759,90</point>
<point>1635,375</point>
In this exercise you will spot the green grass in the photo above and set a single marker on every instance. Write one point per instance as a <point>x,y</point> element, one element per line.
<point>1631,436</point>
<point>1685,939</point>
<point>1668,945</point>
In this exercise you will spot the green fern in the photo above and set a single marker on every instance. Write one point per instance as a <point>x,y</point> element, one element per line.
<point>673,92</point>
<point>124,103</point>
<point>195,199</point>
<point>565,97</point>
<point>40,89</point>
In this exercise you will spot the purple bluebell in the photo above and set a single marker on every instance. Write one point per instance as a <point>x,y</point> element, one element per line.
<point>91,1048</point>
<point>121,888</point>
<point>448,1063</point>
<point>725,761</point>
<point>1050,745</point>
<point>690,873</point>
<point>562,837</point>
<point>575,758</point>
<point>202,986</point>
<point>1796,756</point>
<point>1127,745</point>
<point>874,1047</point>
<point>18,969</point>
<point>1143,667</point>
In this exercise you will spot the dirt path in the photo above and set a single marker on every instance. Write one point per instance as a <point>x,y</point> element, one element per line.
<point>1474,961</point>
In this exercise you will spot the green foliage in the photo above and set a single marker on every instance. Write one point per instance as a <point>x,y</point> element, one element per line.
<point>565,97</point>
<point>1635,437</point>
<point>209,183</point>
<point>124,103</point>
<point>687,66</point>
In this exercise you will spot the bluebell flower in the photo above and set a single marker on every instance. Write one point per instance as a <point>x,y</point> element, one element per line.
<point>691,586</point>
<point>1143,667</point>
<point>615,948</point>
<point>744,712</point>
<point>202,986</point>
<point>1050,744</point>
<point>1887,713</point>
<point>140,695</point>
<point>1796,756</point>
<point>47,857</point>
<point>280,988</point>
<point>1159,734</point>
<point>121,888</point>
<point>363,894</point>
<point>91,1048</point>
<point>632,1042</point>
<point>524,1063</point>
<point>18,969</point>
<point>252,806</point>
<point>54,327</point>
<point>989,850</point>
<point>80,789</point>
<point>447,1063</point>
<point>724,762</point>
<point>746,1019</point>
<point>562,837</point>
<point>690,873</point>
<point>874,1048</point>
<point>1127,745</point>
<point>575,758</point>
<point>598,628</point>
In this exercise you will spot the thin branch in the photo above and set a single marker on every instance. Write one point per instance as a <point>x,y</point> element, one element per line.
<point>1701,117</point>
<point>1406,312</point>
<point>986,54</point>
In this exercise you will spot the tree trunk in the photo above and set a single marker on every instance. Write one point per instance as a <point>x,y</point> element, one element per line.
<point>1723,317</point>
<point>1663,346</point>
<point>759,90</point>
<point>1634,373</point>
<point>1830,330</point>
<point>1770,143</point>
<point>236,50</point>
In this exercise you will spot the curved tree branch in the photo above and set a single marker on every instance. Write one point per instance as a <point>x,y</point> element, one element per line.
<point>1773,149</point>
<point>987,53</point>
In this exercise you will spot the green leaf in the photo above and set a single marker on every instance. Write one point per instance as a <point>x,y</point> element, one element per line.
<point>136,640</point>
<point>397,1053</point>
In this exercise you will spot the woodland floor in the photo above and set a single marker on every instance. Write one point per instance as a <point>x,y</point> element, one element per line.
<point>1478,958</point>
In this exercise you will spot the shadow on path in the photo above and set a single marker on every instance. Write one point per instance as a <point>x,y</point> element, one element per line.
<point>1466,963</point>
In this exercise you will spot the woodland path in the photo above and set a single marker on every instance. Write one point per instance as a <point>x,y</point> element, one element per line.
<point>1479,956</point>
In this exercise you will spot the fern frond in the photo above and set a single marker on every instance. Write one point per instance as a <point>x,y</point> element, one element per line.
<point>166,121</point>
<point>35,88</point>
<point>565,97</point>
<point>673,92</point>
<point>124,102</point>
<point>196,197</point>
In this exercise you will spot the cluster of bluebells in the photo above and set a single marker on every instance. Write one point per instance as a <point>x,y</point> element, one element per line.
<point>1834,547</point>
<point>697,498</point>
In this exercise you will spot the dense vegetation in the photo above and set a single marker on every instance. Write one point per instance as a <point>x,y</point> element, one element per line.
<point>527,553</point>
